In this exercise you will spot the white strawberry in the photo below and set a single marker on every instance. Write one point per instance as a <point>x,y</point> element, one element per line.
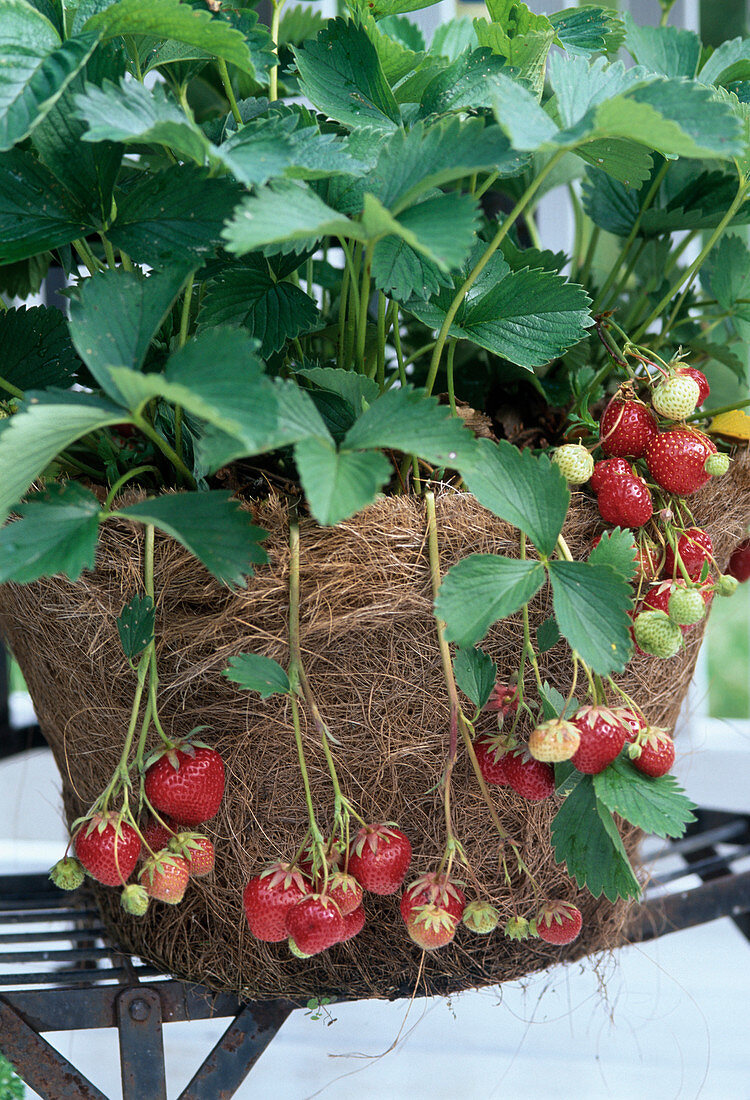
<point>676,397</point>
<point>575,463</point>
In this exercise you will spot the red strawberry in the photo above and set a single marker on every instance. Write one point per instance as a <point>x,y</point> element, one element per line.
<point>157,836</point>
<point>379,858</point>
<point>606,469</point>
<point>694,547</point>
<point>431,927</point>
<point>625,501</point>
<point>165,877</point>
<point>532,779</point>
<point>354,922</point>
<point>491,754</point>
<point>657,753</point>
<point>196,850</point>
<point>698,376</point>
<point>503,698</point>
<point>559,922</point>
<point>335,856</point>
<point>433,888</point>
<point>739,563</point>
<point>187,783</point>
<point>269,896</point>
<point>345,891</point>
<point>626,428</point>
<point>108,849</point>
<point>602,738</point>
<point>676,460</point>
<point>631,721</point>
<point>315,924</point>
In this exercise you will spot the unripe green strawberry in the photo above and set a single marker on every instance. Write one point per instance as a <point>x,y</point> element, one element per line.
<point>717,464</point>
<point>67,874</point>
<point>686,606</point>
<point>726,585</point>
<point>517,928</point>
<point>676,397</point>
<point>134,899</point>
<point>481,917</point>
<point>554,741</point>
<point>656,634</point>
<point>575,463</point>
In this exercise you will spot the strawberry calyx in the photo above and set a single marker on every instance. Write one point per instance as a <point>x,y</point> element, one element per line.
<point>285,875</point>
<point>517,928</point>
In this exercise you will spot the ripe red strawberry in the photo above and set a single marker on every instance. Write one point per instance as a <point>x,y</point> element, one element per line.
<point>503,698</point>
<point>608,468</point>
<point>157,836</point>
<point>108,849</point>
<point>559,922</point>
<point>431,927</point>
<point>531,778</point>
<point>269,896</point>
<point>196,850</point>
<point>165,877</point>
<point>433,888</point>
<point>315,924</point>
<point>739,563</point>
<point>626,428</point>
<point>311,863</point>
<point>354,922</point>
<point>630,720</point>
<point>344,889</point>
<point>187,783</point>
<point>657,753</point>
<point>698,376</point>
<point>379,858</point>
<point>695,548</point>
<point>602,738</point>
<point>676,460</point>
<point>625,501</point>
<point>491,755</point>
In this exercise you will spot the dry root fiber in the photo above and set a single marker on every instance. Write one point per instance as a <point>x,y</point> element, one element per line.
<point>370,647</point>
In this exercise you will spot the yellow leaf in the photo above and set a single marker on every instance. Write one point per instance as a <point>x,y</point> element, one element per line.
<point>732,425</point>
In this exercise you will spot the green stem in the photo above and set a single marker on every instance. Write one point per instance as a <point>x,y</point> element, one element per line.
<point>449,371</point>
<point>121,772</point>
<point>364,300</point>
<point>66,456</point>
<point>89,259</point>
<point>482,262</point>
<point>229,90</point>
<point>588,259</point>
<point>397,343</point>
<point>125,260</point>
<point>109,252</point>
<point>380,375</point>
<point>122,481</point>
<point>273,75</point>
<point>616,267</point>
<point>486,185</point>
<point>345,281</point>
<point>445,657</point>
<point>185,315</point>
<point>169,452</point>
<point>688,274</point>
<point>14,390</point>
<point>706,413</point>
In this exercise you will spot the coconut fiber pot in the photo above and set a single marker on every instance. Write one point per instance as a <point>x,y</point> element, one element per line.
<point>370,648</point>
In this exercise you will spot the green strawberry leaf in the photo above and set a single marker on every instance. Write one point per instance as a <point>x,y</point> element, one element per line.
<point>586,840</point>
<point>588,29</point>
<point>357,390</point>
<point>37,352</point>
<point>656,805</point>
<point>255,673</point>
<point>56,534</point>
<point>526,490</point>
<point>475,674</point>
<point>341,74</point>
<point>37,213</point>
<point>288,212</point>
<point>407,420</point>
<point>591,605</point>
<point>45,424</point>
<point>481,589</point>
<point>339,483</point>
<point>250,295</point>
<point>470,82</point>
<point>547,635</point>
<point>669,51</point>
<point>135,625</point>
<point>726,275</point>
<point>211,525</point>
<point>616,548</point>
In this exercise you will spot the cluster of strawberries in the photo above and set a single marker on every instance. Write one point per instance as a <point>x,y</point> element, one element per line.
<point>184,786</point>
<point>314,903</point>
<point>673,578</point>
<point>591,740</point>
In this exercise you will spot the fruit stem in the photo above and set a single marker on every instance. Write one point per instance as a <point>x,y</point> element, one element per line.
<point>229,90</point>
<point>127,476</point>
<point>120,776</point>
<point>563,549</point>
<point>528,648</point>
<point>705,414</point>
<point>450,680</point>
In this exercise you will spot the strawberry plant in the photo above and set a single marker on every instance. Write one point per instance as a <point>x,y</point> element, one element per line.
<point>305,260</point>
